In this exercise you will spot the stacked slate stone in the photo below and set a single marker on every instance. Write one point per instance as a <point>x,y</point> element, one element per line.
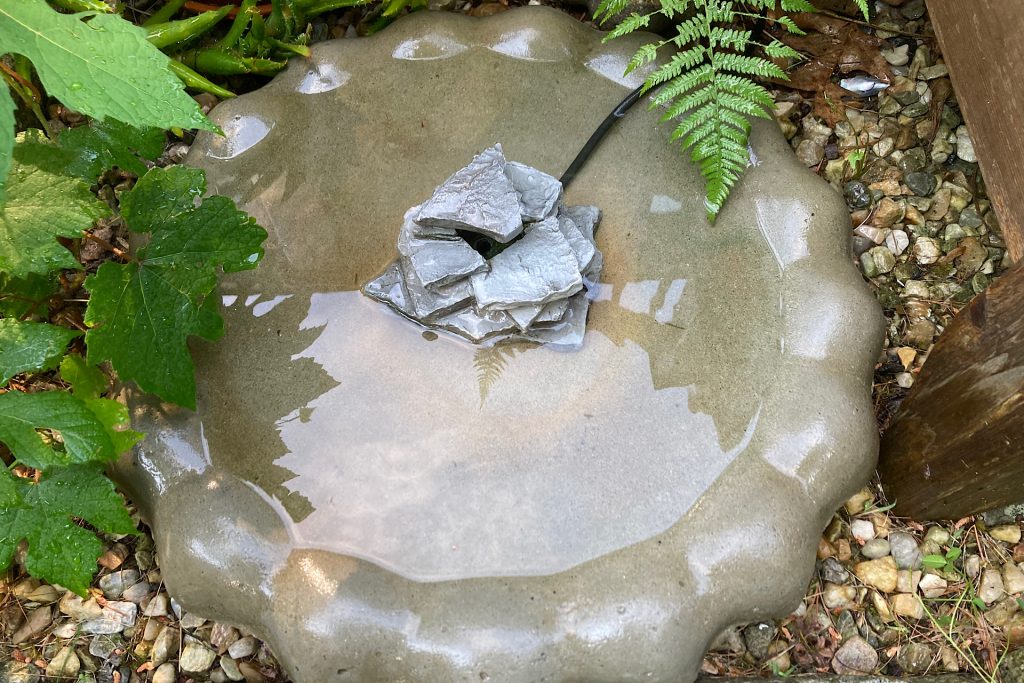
<point>534,288</point>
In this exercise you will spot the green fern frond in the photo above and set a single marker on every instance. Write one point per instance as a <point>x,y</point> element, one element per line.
<point>862,5</point>
<point>634,22</point>
<point>708,86</point>
<point>608,9</point>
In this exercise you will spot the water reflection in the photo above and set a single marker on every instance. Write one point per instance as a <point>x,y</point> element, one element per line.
<point>436,458</point>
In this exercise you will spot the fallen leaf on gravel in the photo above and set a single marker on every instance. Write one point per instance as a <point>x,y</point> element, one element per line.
<point>833,46</point>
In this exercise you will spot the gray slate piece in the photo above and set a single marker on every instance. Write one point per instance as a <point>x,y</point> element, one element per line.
<point>567,334</point>
<point>430,303</point>
<point>537,269</point>
<point>582,246</point>
<point>478,326</point>
<point>479,198</point>
<point>389,288</point>
<point>438,256</point>
<point>538,192</point>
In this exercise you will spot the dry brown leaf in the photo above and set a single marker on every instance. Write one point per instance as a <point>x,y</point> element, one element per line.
<point>833,47</point>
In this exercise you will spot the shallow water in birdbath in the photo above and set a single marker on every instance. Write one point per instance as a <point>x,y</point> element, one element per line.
<point>408,505</point>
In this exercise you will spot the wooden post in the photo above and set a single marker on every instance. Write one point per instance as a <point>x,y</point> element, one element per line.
<point>956,446</point>
<point>982,46</point>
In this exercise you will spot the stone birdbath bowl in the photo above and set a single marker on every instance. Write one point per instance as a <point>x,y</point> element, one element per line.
<point>385,503</point>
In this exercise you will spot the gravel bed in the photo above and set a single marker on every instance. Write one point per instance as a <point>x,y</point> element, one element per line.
<point>927,241</point>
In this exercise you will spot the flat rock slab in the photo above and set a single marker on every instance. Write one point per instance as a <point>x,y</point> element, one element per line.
<point>385,504</point>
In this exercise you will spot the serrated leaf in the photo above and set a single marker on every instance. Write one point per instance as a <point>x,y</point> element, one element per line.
<point>29,296</point>
<point>40,207</point>
<point>7,108</point>
<point>99,65</point>
<point>141,314</point>
<point>28,346</point>
<point>102,145</point>
<point>59,550</point>
<point>85,439</point>
<point>88,384</point>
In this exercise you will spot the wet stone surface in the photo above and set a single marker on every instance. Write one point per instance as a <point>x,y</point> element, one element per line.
<point>506,512</point>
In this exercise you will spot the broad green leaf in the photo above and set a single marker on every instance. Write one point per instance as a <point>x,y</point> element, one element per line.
<point>100,65</point>
<point>59,550</point>
<point>934,561</point>
<point>9,493</point>
<point>6,133</point>
<point>105,144</point>
<point>85,438</point>
<point>979,603</point>
<point>27,346</point>
<point>141,314</point>
<point>88,383</point>
<point>26,297</point>
<point>953,553</point>
<point>40,207</point>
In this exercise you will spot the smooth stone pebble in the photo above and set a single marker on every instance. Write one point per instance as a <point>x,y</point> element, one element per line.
<point>1013,579</point>
<point>191,621</point>
<point>165,673</point>
<point>65,664</point>
<point>103,646</point>
<point>857,195</point>
<point>965,146</point>
<point>138,592</point>
<point>115,617</point>
<point>157,607</point>
<point>240,649</point>
<point>1008,533</point>
<point>222,635</point>
<point>810,153</point>
<point>897,242</point>
<point>937,534</point>
<point>230,669</point>
<point>758,637</point>
<point>970,218</point>
<point>66,630</point>
<point>79,609</point>
<point>855,656</point>
<point>165,645</point>
<point>22,672</point>
<point>835,596</point>
<point>932,586</point>
<point>915,658</point>
<point>880,573</point>
<point>905,380</point>
<point>196,658</point>
<point>991,588</point>
<point>876,547</point>
<point>862,529</point>
<point>114,584</point>
<point>833,571</point>
<point>907,605</point>
<point>907,581</point>
<point>897,56</point>
<point>920,183</point>
<point>37,621</point>
<point>927,250</point>
<point>972,566</point>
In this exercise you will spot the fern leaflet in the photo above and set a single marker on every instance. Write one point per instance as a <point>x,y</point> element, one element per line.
<point>708,85</point>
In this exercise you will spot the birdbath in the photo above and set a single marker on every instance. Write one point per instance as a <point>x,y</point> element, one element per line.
<point>383,501</point>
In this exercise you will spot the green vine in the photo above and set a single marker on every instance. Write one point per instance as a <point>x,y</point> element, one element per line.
<point>707,86</point>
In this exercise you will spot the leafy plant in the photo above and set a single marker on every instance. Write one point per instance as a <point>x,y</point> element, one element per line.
<point>943,562</point>
<point>142,307</point>
<point>96,64</point>
<point>707,86</point>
